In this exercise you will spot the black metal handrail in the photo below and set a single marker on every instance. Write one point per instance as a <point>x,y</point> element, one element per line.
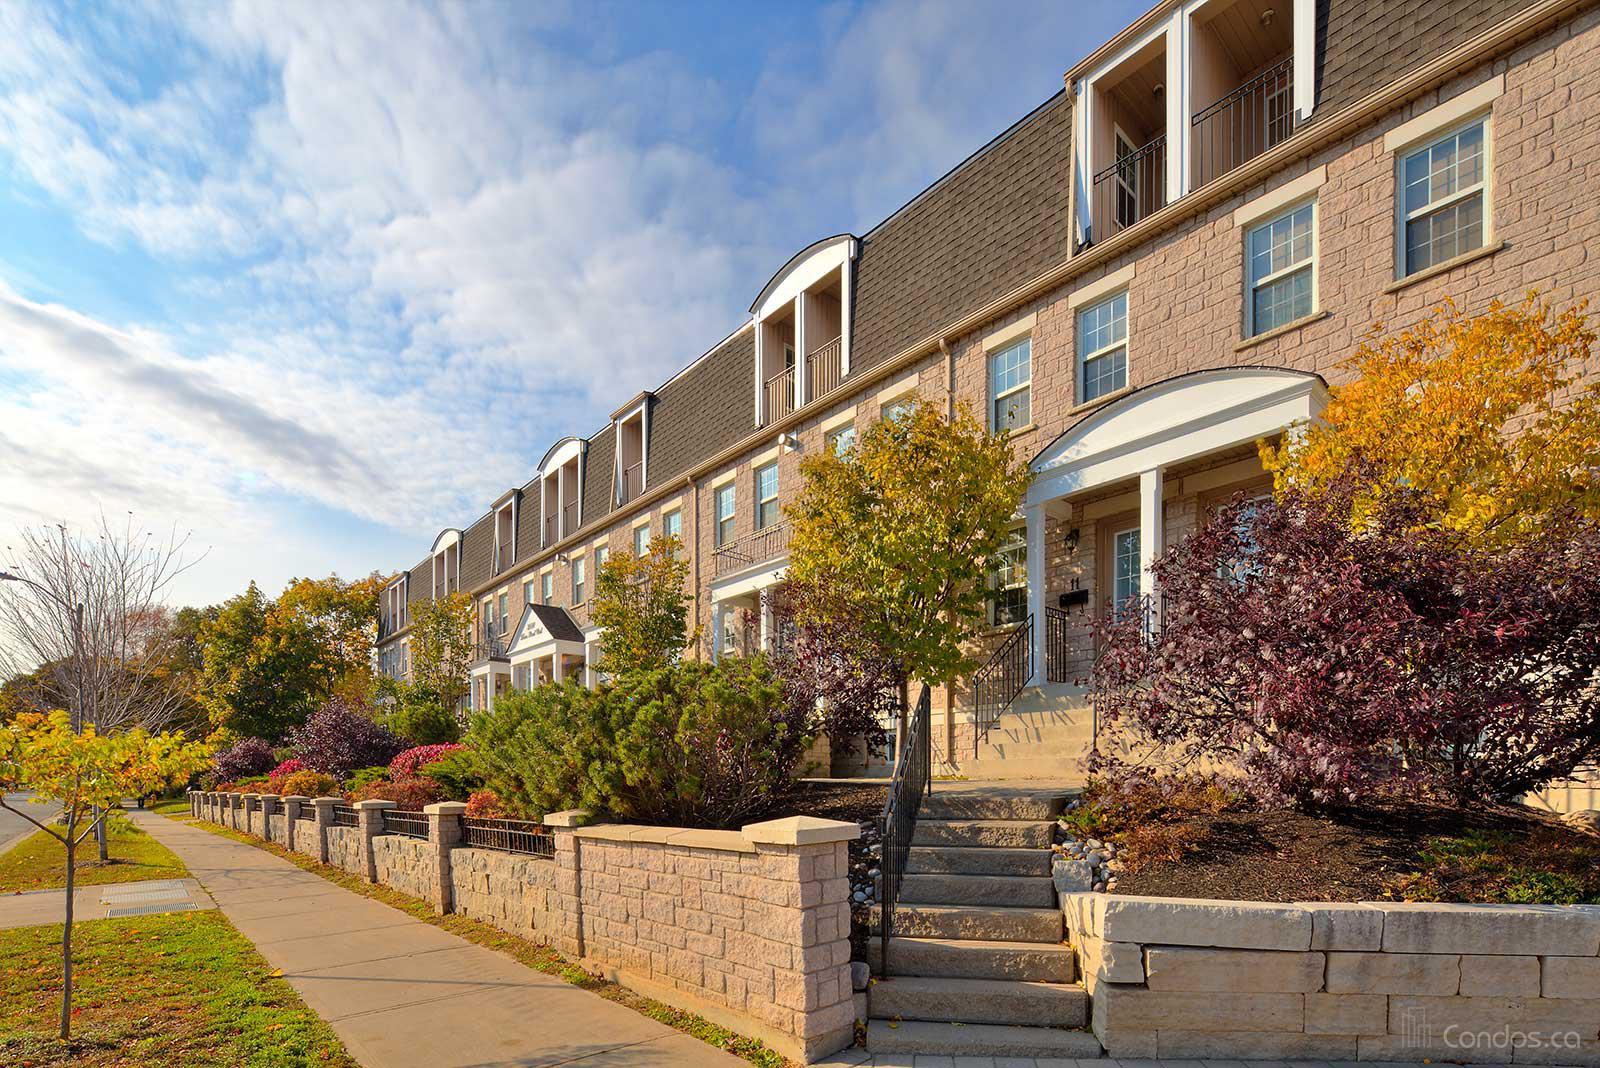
<point>913,780</point>
<point>345,816</point>
<point>410,824</point>
<point>1140,189</point>
<point>768,543</point>
<point>508,836</point>
<point>1245,123</point>
<point>998,682</point>
<point>1055,645</point>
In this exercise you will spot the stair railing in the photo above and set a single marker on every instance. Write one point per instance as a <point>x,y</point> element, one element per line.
<point>998,682</point>
<point>913,780</point>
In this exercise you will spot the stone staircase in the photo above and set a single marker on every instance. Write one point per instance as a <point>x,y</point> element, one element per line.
<point>977,964</point>
<point>1045,734</point>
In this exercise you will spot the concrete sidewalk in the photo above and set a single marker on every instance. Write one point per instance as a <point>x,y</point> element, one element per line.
<point>403,993</point>
<point>103,902</point>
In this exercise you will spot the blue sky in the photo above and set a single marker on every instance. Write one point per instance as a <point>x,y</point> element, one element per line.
<point>311,281</point>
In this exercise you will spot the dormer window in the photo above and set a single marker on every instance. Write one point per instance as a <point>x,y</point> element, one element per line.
<point>446,564</point>
<point>801,329</point>
<point>505,532</point>
<point>632,422</point>
<point>393,610</point>
<point>561,489</point>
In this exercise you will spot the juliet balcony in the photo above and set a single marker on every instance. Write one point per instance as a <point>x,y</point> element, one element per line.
<point>758,547</point>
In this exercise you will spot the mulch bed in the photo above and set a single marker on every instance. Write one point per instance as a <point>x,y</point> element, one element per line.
<point>1350,855</point>
<point>850,801</point>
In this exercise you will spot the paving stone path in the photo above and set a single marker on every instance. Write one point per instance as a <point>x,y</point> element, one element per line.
<point>401,993</point>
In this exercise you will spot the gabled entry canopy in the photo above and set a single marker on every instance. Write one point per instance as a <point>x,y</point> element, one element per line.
<point>544,628</point>
<point>1175,420</point>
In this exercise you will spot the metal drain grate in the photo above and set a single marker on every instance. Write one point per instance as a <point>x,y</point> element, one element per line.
<point>149,910</point>
<point>129,896</point>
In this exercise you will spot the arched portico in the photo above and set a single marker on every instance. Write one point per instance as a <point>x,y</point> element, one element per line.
<point>1134,442</point>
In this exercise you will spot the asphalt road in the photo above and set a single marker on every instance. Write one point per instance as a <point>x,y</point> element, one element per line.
<point>14,828</point>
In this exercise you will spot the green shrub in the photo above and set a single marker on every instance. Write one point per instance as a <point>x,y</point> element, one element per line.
<point>417,715</point>
<point>364,777</point>
<point>410,794</point>
<point>692,744</point>
<point>457,773</point>
<point>308,783</point>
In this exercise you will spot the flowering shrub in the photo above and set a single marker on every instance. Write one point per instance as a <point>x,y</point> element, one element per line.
<point>246,757</point>
<point>342,736</point>
<point>486,805</point>
<point>243,786</point>
<point>308,783</point>
<point>1331,664</point>
<point>411,761</point>
<point>410,794</point>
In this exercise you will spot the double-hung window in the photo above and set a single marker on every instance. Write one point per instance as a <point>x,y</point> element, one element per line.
<point>547,588</point>
<point>766,495</point>
<point>900,407</point>
<point>580,579</point>
<point>1103,347</point>
<point>505,612</point>
<point>724,499</point>
<point>1008,582</point>
<point>602,553</point>
<point>842,440</point>
<point>1282,270</point>
<point>1010,379</point>
<point>672,525</point>
<point>641,540</point>
<point>1125,570</point>
<point>1444,198</point>
<point>527,591</point>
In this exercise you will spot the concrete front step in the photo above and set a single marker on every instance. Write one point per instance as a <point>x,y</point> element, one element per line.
<point>948,958</point>
<point>978,1040</point>
<point>1006,891</point>
<point>978,1001</point>
<point>977,923</point>
<point>999,801</point>
<point>1056,767</point>
<point>969,860</point>
<point>1006,834</point>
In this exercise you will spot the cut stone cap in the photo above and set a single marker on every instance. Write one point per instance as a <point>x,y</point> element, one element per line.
<point>296,797</point>
<point>572,817</point>
<point>376,804</point>
<point>327,800</point>
<point>801,830</point>
<point>444,808</point>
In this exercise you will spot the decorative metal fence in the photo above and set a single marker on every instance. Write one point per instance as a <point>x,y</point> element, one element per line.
<point>508,836</point>
<point>308,813</point>
<point>1057,651</point>
<point>913,778</point>
<point>345,816</point>
<point>999,681</point>
<point>409,824</point>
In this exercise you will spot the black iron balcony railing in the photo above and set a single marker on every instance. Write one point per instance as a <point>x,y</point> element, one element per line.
<point>1245,123</point>
<point>632,481</point>
<point>569,519</point>
<point>780,400</point>
<point>1130,189</point>
<point>1057,645</point>
<point>552,529</point>
<point>768,543</point>
<point>824,368</point>
<point>409,824</point>
<point>489,648</point>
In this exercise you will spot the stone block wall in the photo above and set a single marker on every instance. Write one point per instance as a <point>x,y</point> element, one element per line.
<point>305,838</point>
<point>512,892</point>
<point>344,849</point>
<point>1380,981</point>
<point>278,828</point>
<point>407,864</point>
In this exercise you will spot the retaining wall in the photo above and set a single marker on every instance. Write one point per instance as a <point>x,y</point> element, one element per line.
<point>748,928</point>
<point>1379,981</point>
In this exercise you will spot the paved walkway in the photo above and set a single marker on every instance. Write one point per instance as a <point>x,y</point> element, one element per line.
<point>401,993</point>
<point>107,901</point>
<point>857,1058</point>
<point>13,828</point>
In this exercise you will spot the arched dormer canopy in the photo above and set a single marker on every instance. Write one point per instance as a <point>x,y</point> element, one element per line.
<point>561,453</point>
<point>1175,420</point>
<point>804,268</point>
<point>448,537</point>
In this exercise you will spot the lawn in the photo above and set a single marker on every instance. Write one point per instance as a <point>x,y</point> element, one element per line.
<point>172,806</point>
<point>181,989</point>
<point>38,862</point>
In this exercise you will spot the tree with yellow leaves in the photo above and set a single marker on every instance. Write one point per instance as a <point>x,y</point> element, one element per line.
<point>1486,417</point>
<point>87,774</point>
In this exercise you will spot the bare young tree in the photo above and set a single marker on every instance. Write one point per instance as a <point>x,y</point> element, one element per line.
<point>90,607</point>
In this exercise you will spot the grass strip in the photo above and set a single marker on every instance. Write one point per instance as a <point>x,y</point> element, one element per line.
<point>38,862</point>
<point>178,989</point>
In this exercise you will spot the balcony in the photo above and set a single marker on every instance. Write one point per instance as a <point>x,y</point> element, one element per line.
<point>1131,188</point>
<point>779,395</point>
<point>489,648</point>
<point>569,518</point>
<point>552,529</point>
<point>768,543</point>
<point>1239,127</point>
<point>632,482</point>
<point>825,368</point>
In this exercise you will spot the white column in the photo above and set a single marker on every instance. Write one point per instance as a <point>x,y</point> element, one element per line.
<point>558,670</point>
<point>1151,523</point>
<point>764,611</point>
<point>716,632</point>
<point>800,397</point>
<point>1036,590</point>
<point>1177,101</point>
<point>488,691</point>
<point>845,301</point>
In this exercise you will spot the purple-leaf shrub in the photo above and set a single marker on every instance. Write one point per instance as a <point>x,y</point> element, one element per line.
<point>242,759</point>
<point>341,736</point>
<point>830,662</point>
<point>1329,664</point>
<point>414,759</point>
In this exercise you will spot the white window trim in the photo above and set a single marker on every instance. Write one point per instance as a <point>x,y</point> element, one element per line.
<point>1439,120</point>
<point>1101,288</point>
<point>1138,577</point>
<point>1025,384</point>
<point>1084,358</point>
<point>717,519</point>
<point>648,537</point>
<point>1485,185</point>
<point>834,422</point>
<point>1270,205</point>
<point>1312,263</point>
<point>897,389</point>
<point>755,480</point>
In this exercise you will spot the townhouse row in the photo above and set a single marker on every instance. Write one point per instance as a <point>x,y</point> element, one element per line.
<point>1166,262</point>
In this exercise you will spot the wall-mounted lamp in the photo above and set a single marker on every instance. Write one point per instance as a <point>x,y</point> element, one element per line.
<point>1070,541</point>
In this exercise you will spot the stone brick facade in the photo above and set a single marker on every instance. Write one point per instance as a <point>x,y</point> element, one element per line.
<point>1383,981</point>
<point>749,928</point>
